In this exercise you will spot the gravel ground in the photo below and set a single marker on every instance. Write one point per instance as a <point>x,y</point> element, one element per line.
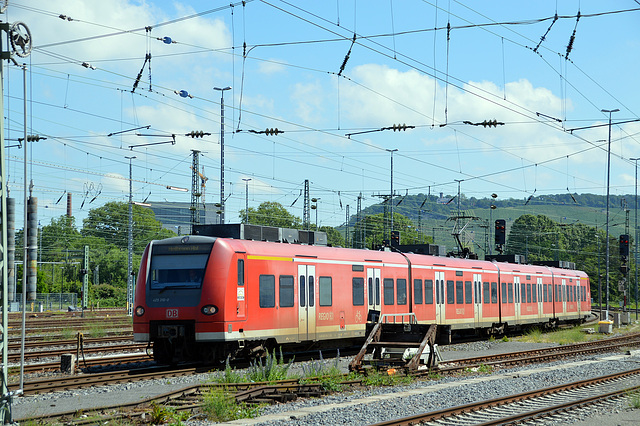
<point>364,407</point>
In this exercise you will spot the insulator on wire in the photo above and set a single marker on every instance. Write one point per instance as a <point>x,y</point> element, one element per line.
<point>197,134</point>
<point>270,132</point>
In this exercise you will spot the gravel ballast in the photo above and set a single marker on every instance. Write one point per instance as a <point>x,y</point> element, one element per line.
<point>364,407</point>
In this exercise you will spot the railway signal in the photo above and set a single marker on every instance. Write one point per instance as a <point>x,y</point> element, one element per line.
<point>500,234</point>
<point>624,245</point>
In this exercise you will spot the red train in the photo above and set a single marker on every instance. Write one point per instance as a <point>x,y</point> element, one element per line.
<point>204,298</point>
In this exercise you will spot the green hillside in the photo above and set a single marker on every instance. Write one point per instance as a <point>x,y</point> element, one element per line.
<point>436,217</point>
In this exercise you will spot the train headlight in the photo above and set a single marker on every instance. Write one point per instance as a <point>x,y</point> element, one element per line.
<point>139,311</point>
<point>209,309</point>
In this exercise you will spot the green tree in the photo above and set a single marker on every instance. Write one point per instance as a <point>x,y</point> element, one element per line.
<point>373,228</point>
<point>271,213</point>
<point>58,237</point>
<point>111,223</point>
<point>543,239</point>
<point>334,237</point>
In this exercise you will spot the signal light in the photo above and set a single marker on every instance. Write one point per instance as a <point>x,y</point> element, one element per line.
<point>624,245</point>
<point>395,238</point>
<point>500,235</point>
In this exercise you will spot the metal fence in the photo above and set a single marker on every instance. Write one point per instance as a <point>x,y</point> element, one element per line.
<point>48,302</point>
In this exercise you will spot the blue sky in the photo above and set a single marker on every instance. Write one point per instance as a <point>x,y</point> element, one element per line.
<point>404,67</point>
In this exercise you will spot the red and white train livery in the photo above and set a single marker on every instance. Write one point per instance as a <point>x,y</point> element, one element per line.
<point>204,298</point>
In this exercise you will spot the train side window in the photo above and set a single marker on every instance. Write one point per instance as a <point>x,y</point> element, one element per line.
<point>459,293</point>
<point>357,291</point>
<point>417,292</point>
<point>428,292</point>
<point>510,292</point>
<point>388,292</point>
<point>450,293</point>
<point>544,292</point>
<point>401,291</point>
<point>286,291</point>
<point>528,293</point>
<point>370,281</point>
<point>267,284</point>
<point>523,293</point>
<point>325,290</point>
<point>303,291</point>
<point>377,288</point>
<point>240,271</point>
<point>503,286</point>
<point>468,292</point>
<point>494,292</point>
<point>486,294</point>
<point>534,297</point>
<point>312,292</point>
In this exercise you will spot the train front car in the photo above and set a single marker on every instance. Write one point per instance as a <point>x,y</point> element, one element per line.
<point>174,292</point>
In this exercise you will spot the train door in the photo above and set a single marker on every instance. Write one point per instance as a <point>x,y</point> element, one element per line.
<point>579,290</point>
<point>563,295</point>
<point>518,301</point>
<point>440,298</point>
<point>539,290</point>
<point>477,298</point>
<point>373,289</point>
<point>306,302</point>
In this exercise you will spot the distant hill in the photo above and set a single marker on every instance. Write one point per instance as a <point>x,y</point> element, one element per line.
<point>436,213</point>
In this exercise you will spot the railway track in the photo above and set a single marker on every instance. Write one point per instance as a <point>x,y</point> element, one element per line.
<point>190,397</point>
<point>530,406</point>
<point>35,355</point>
<point>542,355</point>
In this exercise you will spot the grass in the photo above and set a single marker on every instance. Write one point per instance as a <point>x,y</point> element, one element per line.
<point>271,370</point>
<point>385,378</point>
<point>220,406</point>
<point>97,329</point>
<point>634,400</point>
<point>161,414</point>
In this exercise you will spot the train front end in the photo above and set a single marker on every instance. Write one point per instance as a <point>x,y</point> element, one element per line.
<point>175,293</point>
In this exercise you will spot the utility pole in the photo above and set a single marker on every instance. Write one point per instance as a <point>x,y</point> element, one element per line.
<point>306,212</point>
<point>246,199</point>
<point>195,189</point>
<point>635,235</point>
<point>609,111</point>
<point>130,242</point>
<point>21,43</point>
<point>391,198</point>
<point>222,90</point>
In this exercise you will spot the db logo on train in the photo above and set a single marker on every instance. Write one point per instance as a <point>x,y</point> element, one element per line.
<point>172,313</point>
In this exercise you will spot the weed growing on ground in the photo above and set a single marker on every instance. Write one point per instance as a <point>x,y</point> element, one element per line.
<point>161,414</point>
<point>219,406</point>
<point>229,375</point>
<point>327,374</point>
<point>634,400</point>
<point>97,329</point>
<point>383,378</point>
<point>270,370</point>
<point>67,334</point>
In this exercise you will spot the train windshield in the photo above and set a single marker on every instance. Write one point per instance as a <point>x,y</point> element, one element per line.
<point>171,271</point>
